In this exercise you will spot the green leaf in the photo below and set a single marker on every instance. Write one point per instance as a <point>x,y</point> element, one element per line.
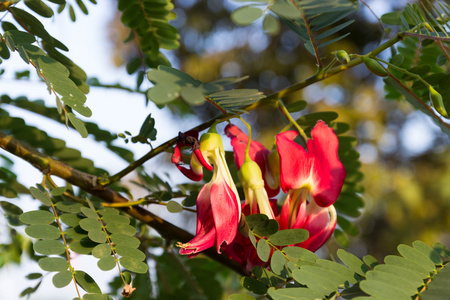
<point>78,124</point>
<point>90,213</point>
<point>115,219</point>
<point>439,287</point>
<point>10,208</point>
<point>271,25</point>
<point>107,263</point>
<point>263,250</point>
<point>37,217</point>
<point>76,233</point>
<point>71,220</point>
<point>53,264</point>
<point>121,228</point>
<point>69,207</point>
<point>392,18</point>
<point>39,7</point>
<point>89,224</point>
<point>126,251</point>
<point>96,297</point>
<point>261,225</point>
<point>408,274</point>
<point>83,246</point>
<point>62,279</point>
<point>442,250</point>
<point>253,285</point>
<point>41,196</point>
<point>134,265</point>
<point>288,237</point>
<point>403,262</point>
<point>58,191</point>
<point>417,257</point>
<point>297,253</point>
<point>108,211</point>
<point>383,287</point>
<point>296,106</point>
<point>246,15</point>
<point>193,95</point>
<point>312,118</point>
<point>370,261</point>
<point>347,226</point>
<point>32,276</point>
<point>174,207</point>
<point>124,239</point>
<point>428,252</point>
<point>49,247</point>
<point>86,282</point>
<point>354,263</point>
<point>277,262</point>
<point>294,293</point>
<point>101,250</point>
<point>97,235</point>
<point>43,232</point>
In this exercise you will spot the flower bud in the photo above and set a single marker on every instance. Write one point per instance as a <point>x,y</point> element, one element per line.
<point>342,57</point>
<point>374,67</point>
<point>438,104</point>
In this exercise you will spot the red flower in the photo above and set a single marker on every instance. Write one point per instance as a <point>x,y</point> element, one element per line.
<point>313,180</point>
<point>218,204</point>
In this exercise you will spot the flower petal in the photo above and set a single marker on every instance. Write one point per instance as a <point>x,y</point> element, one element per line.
<point>206,233</point>
<point>226,213</point>
<point>320,224</point>
<point>319,169</point>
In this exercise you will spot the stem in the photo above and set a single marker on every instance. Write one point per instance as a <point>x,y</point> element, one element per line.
<point>404,71</point>
<point>247,148</point>
<point>288,116</point>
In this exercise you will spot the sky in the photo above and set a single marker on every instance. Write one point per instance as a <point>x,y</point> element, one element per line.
<point>90,48</point>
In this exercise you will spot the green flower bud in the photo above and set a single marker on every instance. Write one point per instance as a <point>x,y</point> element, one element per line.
<point>438,104</point>
<point>250,175</point>
<point>374,67</point>
<point>342,57</point>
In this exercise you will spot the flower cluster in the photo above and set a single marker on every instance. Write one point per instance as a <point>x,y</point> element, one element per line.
<point>312,179</point>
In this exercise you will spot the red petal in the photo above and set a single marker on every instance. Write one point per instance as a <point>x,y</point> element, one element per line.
<point>258,153</point>
<point>205,233</point>
<point>225,211</point>
<point>319,169</point>
<point>320,225</point>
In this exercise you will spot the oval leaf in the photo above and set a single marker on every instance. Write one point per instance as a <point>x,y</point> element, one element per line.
<point>53,264</point>
<point>246,15</point>
<point>48,232</point>
<point>41,196</point>
<point>37,217</point>
<point>62,279</point>
<point>288,237</point>
<point>174,207</point>
<point>49,247</point>
<point>86,282</point>
<point>134,265</point>
<point>107,263</point>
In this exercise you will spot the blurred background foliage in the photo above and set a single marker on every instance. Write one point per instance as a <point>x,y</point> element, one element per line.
<point>405,157</point>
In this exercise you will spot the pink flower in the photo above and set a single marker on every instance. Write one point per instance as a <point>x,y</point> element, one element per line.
<point>218,204</point>
<point>313,179</point>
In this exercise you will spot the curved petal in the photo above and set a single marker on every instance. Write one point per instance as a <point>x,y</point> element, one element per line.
<point>319,169</point>
<point>226,213</point>
<point>320,224</point>
<point>206,233</point>
<point>328,171</point>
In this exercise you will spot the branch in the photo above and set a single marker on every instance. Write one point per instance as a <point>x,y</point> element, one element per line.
<point>88,182</point>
